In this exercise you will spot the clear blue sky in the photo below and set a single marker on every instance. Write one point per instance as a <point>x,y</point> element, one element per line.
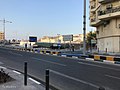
<point>42,17</point>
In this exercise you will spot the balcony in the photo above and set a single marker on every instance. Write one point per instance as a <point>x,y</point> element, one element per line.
<point>93,6</point>
<point>94,22</point>
<point>106,1</point>
<point>93,9</point>
<point>109,13</point>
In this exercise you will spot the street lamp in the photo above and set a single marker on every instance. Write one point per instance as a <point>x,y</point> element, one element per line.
<point>84,29</point>
<point>4,21</point>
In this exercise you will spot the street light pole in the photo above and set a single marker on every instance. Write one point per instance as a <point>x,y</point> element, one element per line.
<point>84,29</point>
<point>4,21</point>
<point>4,29</point>
<point>58,42</point>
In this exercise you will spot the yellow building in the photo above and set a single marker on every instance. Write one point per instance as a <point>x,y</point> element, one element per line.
<point>78,38</point>
<point>105,16</point>
<point>1,36</point>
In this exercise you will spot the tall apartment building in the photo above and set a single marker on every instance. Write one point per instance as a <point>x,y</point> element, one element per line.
<point>1,36</point>
<point>105,16</point>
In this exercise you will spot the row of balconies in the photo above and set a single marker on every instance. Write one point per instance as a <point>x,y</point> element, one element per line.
<point>108,13</point>
<point>106,1</point>
<point>93,5</point>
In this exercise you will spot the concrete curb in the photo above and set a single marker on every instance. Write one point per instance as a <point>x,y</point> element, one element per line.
<point>18,81</point>
<point>101,58</point>
<point>112,59</point>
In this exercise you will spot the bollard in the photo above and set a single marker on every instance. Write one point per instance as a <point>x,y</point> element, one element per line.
<point>47,79</point>
<point>101,88</point>
<point>106,50</point>
<point>25,73</point>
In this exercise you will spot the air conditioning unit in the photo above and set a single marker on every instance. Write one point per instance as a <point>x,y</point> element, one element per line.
<point>97,32</point>
<point>106,23</point>
<point>100,1</point>
<point>109,6</point>
<point>119,26</point>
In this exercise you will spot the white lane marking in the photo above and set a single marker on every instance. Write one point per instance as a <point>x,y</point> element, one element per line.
<point>16,72</point>
<point>54,54</point>
<point>98,66</point>
<point>47,53</point>
<point>3,67</point>
<point>34,81</point>
<point>75,79</point>
<point>74,57</point>
<point>63,55</point>
<point>112,77</point>
<point>15,53</point>
<point>50,62</point>
<point>110,62</point>
<point>1,62</point>
<point>90,59</point>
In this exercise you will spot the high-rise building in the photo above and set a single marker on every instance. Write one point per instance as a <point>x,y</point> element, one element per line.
<point>1,36</point>
<point>105,16</point>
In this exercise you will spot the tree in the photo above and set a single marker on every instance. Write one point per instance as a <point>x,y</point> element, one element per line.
<point>90,36</point>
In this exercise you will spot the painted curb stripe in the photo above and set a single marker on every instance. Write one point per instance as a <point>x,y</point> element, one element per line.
<point>34,81</point>
<point>16,72</point>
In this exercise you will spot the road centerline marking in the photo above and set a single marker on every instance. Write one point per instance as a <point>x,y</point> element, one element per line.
<point>50,62</point>
<point>110,76</point>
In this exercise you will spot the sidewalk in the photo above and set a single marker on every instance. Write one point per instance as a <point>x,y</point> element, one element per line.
<point>18,82</point>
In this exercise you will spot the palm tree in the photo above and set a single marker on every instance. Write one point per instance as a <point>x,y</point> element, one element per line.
<point>91,36</point>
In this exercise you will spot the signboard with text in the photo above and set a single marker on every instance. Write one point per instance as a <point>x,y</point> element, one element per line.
<point>67,37</point>
<point>93,41</point>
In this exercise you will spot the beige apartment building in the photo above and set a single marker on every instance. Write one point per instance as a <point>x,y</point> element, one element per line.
<point>77,39</point>
<point>1,36</point>
<point>105,16</point>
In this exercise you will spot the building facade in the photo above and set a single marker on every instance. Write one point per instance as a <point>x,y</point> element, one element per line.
<point>1,36</point>
<point>78,38</point>
<point>105,16</point>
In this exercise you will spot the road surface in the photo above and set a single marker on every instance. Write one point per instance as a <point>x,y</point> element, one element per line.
<point>65,73</point>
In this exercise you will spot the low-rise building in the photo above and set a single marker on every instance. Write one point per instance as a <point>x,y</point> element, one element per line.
<point>78,38</point>
<point>1,36</point>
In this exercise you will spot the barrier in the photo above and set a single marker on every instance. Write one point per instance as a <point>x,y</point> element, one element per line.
<point>107,58</point>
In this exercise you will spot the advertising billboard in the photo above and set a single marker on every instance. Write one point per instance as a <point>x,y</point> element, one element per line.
<point>32,39</point>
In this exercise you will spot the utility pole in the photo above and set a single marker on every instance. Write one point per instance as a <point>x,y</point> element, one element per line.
<point>4,21</point>
<point>84,29</point>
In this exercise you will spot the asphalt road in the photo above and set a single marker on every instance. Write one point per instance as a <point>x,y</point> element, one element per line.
<point>65,73</point>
